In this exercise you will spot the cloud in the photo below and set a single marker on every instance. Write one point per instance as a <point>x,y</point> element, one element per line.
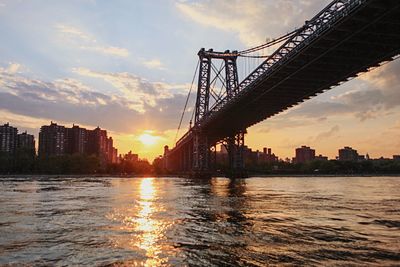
<point>26,122</point>
<point>108,50</point>
<point>72,31</point>
<point>13,68</point>
<point>151,105</point>
<point>87,42</point>
<point>138,91</point>
<point>382,89</point>
<point>396,126</point>
<point>252,20</point>
<point>154,64</point>
<point>372,96</point>
<point>328,134</point>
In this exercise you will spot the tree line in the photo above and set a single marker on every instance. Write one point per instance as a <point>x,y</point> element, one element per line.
<point>23,163</point>
<point>329,167</point>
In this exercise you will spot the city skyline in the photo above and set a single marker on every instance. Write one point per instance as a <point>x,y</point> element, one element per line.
<point>79,66</point>
<point>77,140</point>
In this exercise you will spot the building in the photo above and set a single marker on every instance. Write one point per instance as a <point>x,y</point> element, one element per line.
<point>111,152</point>
<point>98,142</point>
<point>267,156</point>
<point>77,140</point>
<point>251,158</point>
<point>304,154</point>
<point>26,143</point>
<point>396,157</point>
<point>131,157</point>
<point>165,157</point>
<point>348,154</point>
<point>114,158</point>
<point>321,158</point>
<point>57,140</point>
<point>52,140</point>
<point>8,139</point>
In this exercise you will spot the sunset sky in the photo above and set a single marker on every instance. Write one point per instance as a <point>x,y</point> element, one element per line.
<point>126,66</point>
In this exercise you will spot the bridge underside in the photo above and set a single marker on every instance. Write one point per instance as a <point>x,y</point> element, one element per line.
<point>353,44</point>
<point>359,42</point>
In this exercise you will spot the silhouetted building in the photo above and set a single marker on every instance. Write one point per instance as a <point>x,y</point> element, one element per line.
<point>348,154</point>
<point>8,139</point>
<point>26,143</point>
<point>131,157</point>
<point>396,157</point>
<point>77,140</point>
<point>304,154</point>
<point>321,158</point>
<point>111,152</point>
<point>266,156</point>
<point>52,140</point>
<point>98,142</point>
<point>114,158</point>
<point>165,157</point>
<point>57,140</point>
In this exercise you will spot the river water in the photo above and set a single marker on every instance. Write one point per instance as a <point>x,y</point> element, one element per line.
<point>183,222</point>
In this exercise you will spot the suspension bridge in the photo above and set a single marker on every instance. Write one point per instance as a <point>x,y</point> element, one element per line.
<point>346,38</point>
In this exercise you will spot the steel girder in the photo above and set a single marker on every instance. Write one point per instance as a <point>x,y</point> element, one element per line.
<point>201,146</point>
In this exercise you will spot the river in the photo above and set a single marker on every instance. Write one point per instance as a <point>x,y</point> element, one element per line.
<point>183,222</point>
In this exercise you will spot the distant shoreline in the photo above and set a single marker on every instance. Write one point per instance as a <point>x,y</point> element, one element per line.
<point>28,176</point>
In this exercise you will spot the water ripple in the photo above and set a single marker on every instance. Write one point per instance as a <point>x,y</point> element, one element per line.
<point>87,221</point>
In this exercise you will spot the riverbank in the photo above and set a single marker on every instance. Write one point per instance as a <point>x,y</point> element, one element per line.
<point>28,176</point>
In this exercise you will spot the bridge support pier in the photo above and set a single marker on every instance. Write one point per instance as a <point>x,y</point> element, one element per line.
<point>201,155</point>
<point>235,148</point>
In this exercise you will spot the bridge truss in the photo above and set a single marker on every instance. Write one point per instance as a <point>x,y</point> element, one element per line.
<point>347,37</point>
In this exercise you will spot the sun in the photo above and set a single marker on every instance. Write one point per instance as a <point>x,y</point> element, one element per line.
<point>148,139</point>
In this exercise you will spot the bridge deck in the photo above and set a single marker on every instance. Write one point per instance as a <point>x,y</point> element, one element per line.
<point>353,44</point>
<point>358,42</point>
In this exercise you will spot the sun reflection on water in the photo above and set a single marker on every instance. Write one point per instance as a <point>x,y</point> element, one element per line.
<point>148,227</point>
<point>144,223</point>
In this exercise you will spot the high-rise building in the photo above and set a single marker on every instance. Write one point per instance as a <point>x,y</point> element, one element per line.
<point>348,154</point>
<point>109,149</point>
<point>114,158</point>
<point>131,157</point>
<point>26,143</point>
<point>8,139</point>
<point>267,156</point>
<point>77,140</point>
<point>52,140</point>
<point>57,140</point>
<point>98,142</point>
<point>304,154</point>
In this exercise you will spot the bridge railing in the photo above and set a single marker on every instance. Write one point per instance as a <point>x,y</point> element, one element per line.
<point>312,29</point>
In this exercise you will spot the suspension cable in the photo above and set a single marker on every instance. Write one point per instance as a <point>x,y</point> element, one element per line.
<point>270,43</point>
<point>242,53</point>
<point>187,100</point>
<point>258,56</point>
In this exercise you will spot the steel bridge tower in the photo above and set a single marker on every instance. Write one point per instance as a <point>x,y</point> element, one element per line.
<point>202,149</point>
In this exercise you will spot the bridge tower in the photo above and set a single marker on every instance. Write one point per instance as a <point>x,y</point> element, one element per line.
<point>235,143</point>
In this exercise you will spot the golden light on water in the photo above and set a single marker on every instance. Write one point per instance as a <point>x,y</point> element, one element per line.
<point>141,220</point>
<point>149,228</point>
<point>145,223</point>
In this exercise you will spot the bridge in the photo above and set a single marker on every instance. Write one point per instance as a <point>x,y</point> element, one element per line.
<point>346,38</point>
